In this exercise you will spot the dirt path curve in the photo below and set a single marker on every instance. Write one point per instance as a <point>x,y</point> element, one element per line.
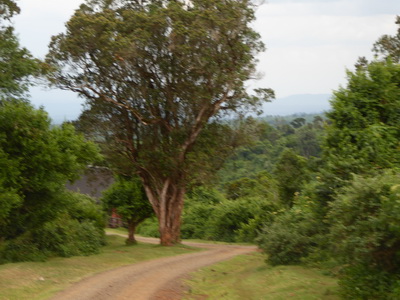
<point>143,280</point>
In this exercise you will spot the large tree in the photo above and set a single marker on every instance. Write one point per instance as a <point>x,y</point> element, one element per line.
<point>162,72</point>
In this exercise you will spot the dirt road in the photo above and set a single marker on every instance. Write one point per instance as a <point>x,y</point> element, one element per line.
<point>146,280</point>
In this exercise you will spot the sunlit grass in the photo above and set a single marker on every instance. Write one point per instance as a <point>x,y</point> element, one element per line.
<point>248,277</point>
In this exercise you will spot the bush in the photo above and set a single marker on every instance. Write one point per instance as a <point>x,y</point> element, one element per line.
<point>22,248</point>
<point>237,220</point>
<point>366,282</point>
<point>195,219</point>
<point>78,231</point>
<point>288,239</point>
<point>365,231</point>
<point>149,227</point>
<point>68,237</point>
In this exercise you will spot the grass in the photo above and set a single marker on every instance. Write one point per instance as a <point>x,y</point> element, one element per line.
<point>248,277</point>
<point>41,280</point>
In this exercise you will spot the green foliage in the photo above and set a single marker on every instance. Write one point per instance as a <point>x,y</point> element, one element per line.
<point>78,230</point>
<point>261,184</point>
<point>290,174</point>
<point>365,220</point>
<point>364,134</point>
<point>209,215</point>
<point>149,227</point>
<point>36,162</point>
<point>199,206</point>
<point>289,238</point>
<point>268,143</point>
<point>16,66</point>
<point>68,237</point>
<point>8,8</point>
<point>127,196</point>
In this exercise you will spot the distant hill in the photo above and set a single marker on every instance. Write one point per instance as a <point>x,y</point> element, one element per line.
<point>297,104</point>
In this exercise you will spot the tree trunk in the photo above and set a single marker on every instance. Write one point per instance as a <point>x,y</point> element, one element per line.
<point>131,233</point>
<point>170,217</point>
<point>168,206</point>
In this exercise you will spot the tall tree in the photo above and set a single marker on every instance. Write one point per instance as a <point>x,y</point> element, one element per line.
<point>164,71</point>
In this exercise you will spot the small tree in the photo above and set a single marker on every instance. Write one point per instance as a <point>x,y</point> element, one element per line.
<point>130,201</point>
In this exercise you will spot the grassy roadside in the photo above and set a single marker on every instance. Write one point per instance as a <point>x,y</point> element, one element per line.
<point>248,277</point>
<point>41,280</point>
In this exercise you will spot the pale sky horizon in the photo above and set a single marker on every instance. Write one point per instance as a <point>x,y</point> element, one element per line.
<point>310,44</point>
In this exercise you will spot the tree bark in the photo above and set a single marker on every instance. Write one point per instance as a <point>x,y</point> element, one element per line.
<point>168,206</point>
<point>131,233</point>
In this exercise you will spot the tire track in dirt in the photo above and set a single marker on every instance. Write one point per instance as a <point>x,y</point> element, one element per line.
<point>141,281</point>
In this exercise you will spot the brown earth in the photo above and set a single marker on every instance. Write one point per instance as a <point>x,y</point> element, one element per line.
<point>158,279</point>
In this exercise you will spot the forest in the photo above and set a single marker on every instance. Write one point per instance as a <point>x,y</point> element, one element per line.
<point>161,81</point>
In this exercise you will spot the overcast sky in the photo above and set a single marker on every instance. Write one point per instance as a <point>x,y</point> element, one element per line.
<point>310,43</point>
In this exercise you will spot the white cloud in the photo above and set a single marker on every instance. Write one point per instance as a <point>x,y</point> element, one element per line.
<point>41,19</point>
<point>310,44</point>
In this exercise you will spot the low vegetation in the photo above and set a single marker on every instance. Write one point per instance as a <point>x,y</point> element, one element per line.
<point>246,277</point>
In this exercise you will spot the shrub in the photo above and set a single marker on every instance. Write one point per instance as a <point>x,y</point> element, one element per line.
<point>365,231</point>
<point>68,237</point>
<point>149,227</point>
<point>288,239</point>
<point>22,248</point>
<point>76,231</point>
<point>234,220</point>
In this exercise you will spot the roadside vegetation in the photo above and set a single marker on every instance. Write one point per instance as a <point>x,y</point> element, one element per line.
<point>246,277</point>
